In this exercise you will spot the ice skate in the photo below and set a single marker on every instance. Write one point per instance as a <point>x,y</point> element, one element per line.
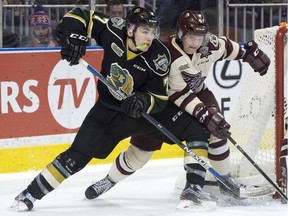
<point>242,191</point>
<point>99,188</point>
<point>23,202</point>
<point>193,197</point>
<point>234,185</point>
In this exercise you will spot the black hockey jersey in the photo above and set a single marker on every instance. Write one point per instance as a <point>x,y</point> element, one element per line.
<point>146,71</point>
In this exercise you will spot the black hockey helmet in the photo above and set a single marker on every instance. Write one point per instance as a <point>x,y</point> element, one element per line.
<point>193,22</point>
<point>142,16</point>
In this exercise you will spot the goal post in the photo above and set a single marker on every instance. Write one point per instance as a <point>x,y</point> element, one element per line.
<point>280,54</point>
<point>258,117</point>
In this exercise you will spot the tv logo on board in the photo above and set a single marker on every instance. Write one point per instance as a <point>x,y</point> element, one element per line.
<point>71,94</point>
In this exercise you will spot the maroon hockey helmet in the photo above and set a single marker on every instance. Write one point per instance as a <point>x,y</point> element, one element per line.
<point>193,22</point>
<point>142,16</point>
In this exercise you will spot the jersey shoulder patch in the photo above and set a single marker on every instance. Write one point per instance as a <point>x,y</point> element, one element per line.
<point>213,43</point>
<point>160,57</point>
<point>117,23</point>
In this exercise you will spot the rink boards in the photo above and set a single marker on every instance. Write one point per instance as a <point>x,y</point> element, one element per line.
<point>43,102</point>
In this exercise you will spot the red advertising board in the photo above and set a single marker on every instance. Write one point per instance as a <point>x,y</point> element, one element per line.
<point>40,94</point>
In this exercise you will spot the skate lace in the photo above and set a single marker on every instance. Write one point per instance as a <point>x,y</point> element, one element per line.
<point>103,185</point>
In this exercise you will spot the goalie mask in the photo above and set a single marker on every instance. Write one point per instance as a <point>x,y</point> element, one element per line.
<point>192,22</point>
<point>142,17</point>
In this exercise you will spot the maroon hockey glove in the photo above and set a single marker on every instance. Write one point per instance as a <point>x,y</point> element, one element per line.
<point>73,47</point>
<point>136,103</point>
<point>212,119</point>
<point>256,58</point>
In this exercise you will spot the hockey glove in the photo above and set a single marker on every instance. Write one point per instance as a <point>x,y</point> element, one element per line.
<point>73,47</point>
<point>212,119</point>
<point>136,103</point>
<point>256,58</point>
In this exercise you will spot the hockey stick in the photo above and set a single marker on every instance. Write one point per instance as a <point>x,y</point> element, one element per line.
<point>227,134</point>
<point>167,133</point>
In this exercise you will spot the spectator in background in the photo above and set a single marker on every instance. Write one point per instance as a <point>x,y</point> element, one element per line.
<point>40,30</point>
<point>13,17</point>
<point>168,12</point>
<point>115,8</point>
<point>10,39</point>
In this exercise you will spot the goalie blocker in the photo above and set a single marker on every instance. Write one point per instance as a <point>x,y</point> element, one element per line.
<point>283,165</point>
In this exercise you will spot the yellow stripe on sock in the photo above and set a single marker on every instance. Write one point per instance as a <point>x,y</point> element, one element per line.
<point>55,173</point>
<point>50,178</point>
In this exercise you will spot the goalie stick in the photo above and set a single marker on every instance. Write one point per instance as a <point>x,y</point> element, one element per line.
<point>167,133</point>
<point>254,164</point>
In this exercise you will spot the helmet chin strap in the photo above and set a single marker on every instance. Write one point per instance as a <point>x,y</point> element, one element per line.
<point>140,47</point>
<point>133,40</point>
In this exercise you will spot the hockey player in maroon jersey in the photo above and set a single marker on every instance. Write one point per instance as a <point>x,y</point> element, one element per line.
<point>137,63</point>
<point>193,51</point>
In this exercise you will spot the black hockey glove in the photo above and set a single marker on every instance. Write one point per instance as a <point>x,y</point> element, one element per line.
<point>213,120</point>
<point>73,47</point>
<point>256,58</point>
<point>136,103</point>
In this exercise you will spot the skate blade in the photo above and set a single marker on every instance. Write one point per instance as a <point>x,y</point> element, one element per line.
<point>19,206</point>
<point>190,205</point>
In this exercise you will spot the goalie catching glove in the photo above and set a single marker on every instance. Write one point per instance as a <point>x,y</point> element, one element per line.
<point>136,103</point>
<point>212,119</point>
<point>256,58</point>
<point>73,47</point>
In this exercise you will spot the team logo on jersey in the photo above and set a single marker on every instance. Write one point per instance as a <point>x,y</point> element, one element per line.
<point>117,49</point>
<point>194,81</point>
<point>118,22</point>
<point>120,78</point>
<point>161,62</point>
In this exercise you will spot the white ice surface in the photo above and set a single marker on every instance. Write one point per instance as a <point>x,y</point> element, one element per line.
<point>150,191</point>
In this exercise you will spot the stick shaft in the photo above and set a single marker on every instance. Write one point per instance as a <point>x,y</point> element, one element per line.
<point>162,129</point>
<point>254,164</point>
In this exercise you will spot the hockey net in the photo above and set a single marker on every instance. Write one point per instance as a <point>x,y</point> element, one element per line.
<point>259,117</point>
<point>257,122</point>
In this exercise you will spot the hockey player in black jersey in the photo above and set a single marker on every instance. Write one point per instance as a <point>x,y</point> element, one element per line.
<point>135,62</point>
<point>193,50</point>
